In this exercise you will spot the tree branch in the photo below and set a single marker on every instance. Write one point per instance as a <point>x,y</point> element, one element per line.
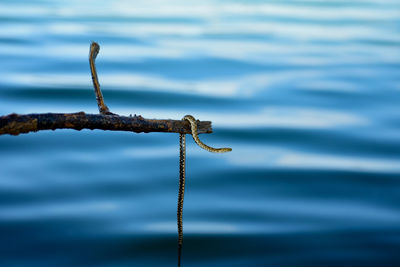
<point>15,124</point>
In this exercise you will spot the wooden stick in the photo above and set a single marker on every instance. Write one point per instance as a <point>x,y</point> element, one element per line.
<point>15,124</point>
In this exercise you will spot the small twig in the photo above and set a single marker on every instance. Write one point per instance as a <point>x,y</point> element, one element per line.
<point>94,51</point>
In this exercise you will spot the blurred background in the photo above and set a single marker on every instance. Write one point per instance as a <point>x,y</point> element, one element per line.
<point>306,93</point>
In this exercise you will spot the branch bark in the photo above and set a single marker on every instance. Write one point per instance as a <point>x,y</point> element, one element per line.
<point>15,124</point>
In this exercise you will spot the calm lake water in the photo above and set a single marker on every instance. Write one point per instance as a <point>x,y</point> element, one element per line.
<point>307,93</point>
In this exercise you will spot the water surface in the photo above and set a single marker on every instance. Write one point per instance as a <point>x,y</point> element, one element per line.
<point>306,93</point>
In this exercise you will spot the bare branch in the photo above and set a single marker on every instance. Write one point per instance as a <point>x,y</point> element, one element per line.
<point>15,124</point>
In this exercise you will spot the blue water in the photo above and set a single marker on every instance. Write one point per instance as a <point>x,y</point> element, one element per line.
<point>307,93</point>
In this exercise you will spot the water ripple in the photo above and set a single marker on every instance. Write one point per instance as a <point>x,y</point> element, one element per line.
<point>306,93</point>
